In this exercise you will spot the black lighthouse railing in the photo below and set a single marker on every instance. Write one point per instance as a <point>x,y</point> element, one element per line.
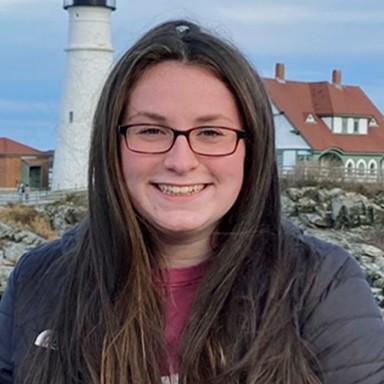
<point>90,3</point>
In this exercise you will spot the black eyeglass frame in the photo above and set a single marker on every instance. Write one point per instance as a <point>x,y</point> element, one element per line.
<point>176,133</point>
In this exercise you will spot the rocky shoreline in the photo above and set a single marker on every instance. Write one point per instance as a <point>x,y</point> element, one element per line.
<point>348,219</point>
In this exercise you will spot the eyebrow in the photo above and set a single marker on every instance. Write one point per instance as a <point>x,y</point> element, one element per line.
<point>151,115</point>
<point>162,119</point>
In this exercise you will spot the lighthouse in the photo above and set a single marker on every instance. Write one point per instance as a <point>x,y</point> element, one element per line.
<point>89,57</point>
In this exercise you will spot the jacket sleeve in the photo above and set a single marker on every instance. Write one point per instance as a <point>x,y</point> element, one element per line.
<point>343,323</point>
<point>6,332</point>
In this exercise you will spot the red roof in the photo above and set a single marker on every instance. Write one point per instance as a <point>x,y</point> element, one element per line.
<point>299,99</point>
<point>11,147</point>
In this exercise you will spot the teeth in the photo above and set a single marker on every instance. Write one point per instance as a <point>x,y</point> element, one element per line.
<point>180,191</point>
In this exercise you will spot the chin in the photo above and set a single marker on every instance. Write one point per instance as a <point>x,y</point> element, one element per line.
<point>183,228</point>
<point>179,228</point>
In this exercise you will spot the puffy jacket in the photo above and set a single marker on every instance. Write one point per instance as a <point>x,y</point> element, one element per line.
<point>341,320</point>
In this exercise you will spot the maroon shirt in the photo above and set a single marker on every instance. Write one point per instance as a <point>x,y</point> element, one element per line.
<point>181,287</point>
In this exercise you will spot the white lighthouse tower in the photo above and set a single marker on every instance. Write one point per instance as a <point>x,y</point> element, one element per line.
<point>89,59</point>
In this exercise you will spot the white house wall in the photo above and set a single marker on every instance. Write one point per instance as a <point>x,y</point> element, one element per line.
<point>328,122</point>
<point>363,126</point>
<point>285,138</point>
<point>288,143</point>
<point>289,158</point>
<point>337,125</point>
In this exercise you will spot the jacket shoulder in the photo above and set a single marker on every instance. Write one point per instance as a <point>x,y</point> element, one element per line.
<point>30,290</point>
<point>341,320</point>
<point>42,257</point>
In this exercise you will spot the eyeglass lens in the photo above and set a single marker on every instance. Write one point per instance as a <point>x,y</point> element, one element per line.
<point>203,140</point>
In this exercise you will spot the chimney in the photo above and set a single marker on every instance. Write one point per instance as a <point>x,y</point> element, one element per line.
<point>280,72</point>
<point>336,77</point>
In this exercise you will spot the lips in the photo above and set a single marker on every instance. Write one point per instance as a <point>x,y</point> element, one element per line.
<point>177,190</point>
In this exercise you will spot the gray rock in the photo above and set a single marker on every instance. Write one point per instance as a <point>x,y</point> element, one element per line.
<point>5,271</point>
<point>13,252</point>
<point>379,199</point>
<point>347,219</point>
<point>306,205</point>
<point>315,220</point>
<point>294,194</point>
<point>350,211</point>
<point>5,230</point>
<point>64,216</point>
<point>377,213</point>
<point>373,252</point>
<point>290,208</point>
<point>311,193</point>
<point>14,242</point>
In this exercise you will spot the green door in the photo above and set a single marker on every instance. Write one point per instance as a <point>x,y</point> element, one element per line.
<point>35,177</point>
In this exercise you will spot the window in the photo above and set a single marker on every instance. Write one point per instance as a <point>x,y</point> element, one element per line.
<point>280,158</point>
<point>372,169</point>
<point>361,167</point>
<point>372,166</point>
<point>355,125</point>
<point>349,166</point>
<point>310,119</point>
<point>71,116</point>
<point>303,155</point>
<point>344,125</point>
<point>373,122</point>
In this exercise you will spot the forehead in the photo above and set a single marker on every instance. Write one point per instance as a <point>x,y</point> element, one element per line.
<point>174,88</point>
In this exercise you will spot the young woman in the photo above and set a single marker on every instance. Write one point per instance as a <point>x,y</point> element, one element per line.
<point>184,271</point>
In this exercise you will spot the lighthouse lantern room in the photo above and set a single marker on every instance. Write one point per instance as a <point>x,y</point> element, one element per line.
<point>98,3</point>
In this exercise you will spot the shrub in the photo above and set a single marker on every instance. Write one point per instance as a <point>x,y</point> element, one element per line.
<point>76,198</point>
<point>26,217</point>
<point>310,174</point>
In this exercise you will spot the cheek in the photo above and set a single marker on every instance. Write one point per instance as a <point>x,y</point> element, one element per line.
<point>137,171</point>
<point>237,165</point>
<point>232,170</point>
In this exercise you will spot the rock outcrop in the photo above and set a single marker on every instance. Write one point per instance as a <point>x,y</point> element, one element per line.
<point>14,243</point>
<point>348,219</point>
<point>63,216</point>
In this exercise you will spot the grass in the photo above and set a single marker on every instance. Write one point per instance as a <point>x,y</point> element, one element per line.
<point>26,217</point>
<point>79,199</point>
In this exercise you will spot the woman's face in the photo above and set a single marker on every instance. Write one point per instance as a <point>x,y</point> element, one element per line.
<point>180,191</point>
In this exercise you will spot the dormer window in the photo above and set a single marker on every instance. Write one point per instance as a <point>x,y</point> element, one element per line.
<point>355,125</point>
<point>373,123</point>
<point>310,119</point>
<point>344,125</point>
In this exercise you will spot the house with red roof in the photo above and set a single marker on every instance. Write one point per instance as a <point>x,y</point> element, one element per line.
<point>328,122</point>
<point>20,163</point>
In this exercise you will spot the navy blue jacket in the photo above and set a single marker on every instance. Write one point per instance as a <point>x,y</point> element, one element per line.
<point>341,320</point>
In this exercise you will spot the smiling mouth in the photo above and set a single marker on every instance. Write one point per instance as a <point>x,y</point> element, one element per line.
<point>185,190</point>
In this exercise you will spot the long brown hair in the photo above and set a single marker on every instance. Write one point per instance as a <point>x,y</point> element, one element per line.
<point>245,323</point>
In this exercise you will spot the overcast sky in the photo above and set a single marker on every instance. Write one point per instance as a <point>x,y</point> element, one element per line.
<point>311,37</point>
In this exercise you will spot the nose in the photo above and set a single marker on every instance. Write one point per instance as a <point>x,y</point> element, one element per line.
<point>180,158</point>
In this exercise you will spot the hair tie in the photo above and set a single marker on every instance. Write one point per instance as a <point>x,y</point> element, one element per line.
<point>182,29</point>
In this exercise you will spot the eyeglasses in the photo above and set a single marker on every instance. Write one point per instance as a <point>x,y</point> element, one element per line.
<point>156,139</point>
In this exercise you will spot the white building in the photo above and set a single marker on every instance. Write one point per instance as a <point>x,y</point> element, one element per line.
<point>89,59</point>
